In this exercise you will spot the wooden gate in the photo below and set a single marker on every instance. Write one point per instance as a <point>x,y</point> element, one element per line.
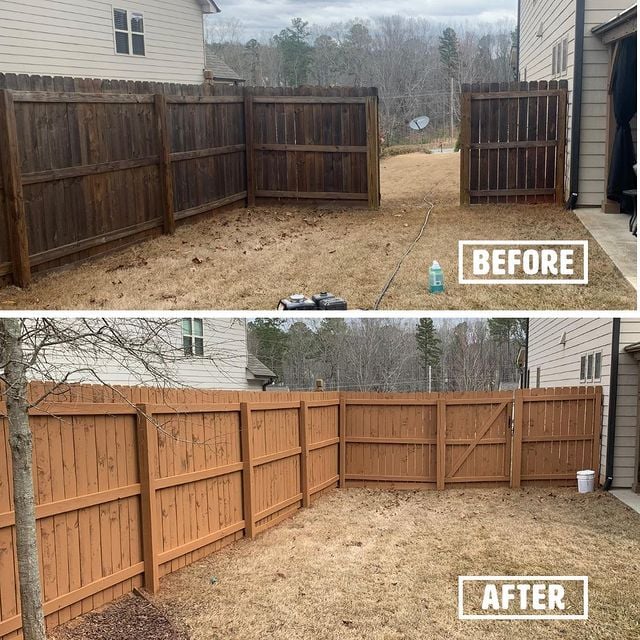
<point>477,435</point>
<point>524,437</point>
<point>512,142</point>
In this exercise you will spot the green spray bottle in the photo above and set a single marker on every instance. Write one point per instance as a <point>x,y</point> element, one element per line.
<point>436,278</point>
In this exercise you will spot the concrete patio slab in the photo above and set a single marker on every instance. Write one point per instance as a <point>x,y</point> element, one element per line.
<point>611,230</point>
<point>630,498</point>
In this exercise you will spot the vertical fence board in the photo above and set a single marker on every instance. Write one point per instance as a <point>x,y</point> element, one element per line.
<point>13,193</point>
<point>147,462</point>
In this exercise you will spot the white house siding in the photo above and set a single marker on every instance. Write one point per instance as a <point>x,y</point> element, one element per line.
<point>560,367</point>
<point>558,18</point>
<point>223,367</point>
<point>76,38</point>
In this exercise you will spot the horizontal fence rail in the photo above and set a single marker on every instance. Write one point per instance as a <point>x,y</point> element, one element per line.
<point>513,142</point>
<point>90,166</point>
<point>135,483</point>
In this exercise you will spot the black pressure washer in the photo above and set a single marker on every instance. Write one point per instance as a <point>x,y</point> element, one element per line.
<point>320,302</point>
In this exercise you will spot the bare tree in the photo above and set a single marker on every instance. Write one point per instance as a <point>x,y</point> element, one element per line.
<point>60,352</point>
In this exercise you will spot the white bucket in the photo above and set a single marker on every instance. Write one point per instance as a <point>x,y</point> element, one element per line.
<point>586,481</point>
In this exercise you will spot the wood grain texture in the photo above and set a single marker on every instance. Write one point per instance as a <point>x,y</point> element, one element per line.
<point>513,139</point>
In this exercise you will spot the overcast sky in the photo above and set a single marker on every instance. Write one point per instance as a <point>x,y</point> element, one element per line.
<point>268,16</point>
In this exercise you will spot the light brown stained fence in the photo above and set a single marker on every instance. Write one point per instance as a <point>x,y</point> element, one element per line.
<point>87,167</point>
<point>135,483</point>
<point>436,440</point>
<point>125,496</point>
<point>513,142</point>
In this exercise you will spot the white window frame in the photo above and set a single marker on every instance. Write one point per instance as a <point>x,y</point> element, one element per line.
<point>590,377</point>
<point>560,61</point>
<point>130,33</point>
<point>192,336</point>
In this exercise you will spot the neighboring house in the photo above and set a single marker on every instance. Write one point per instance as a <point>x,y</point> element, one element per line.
<point>605,352</point>
<point>152,40</point>
<point>579,41</point>
<point>200,353</point>
<point>218,71</point>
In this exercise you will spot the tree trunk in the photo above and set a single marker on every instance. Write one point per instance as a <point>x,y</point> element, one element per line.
<point>21,444</point>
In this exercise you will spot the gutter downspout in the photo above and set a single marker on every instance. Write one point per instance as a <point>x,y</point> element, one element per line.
<point>271,382</point>
<point>519,29</point>
<point>526,357</point>
<point>613,404</point>
<point>576,107</point>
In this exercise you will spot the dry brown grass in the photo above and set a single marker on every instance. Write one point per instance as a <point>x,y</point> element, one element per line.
<point>384,566</point>
<point>249,259</point>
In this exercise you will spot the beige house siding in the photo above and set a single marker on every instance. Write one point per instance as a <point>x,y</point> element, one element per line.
<point>76,38</point>
<point>627,412</point>
<point>560,366</point>
<point>224,367</point>
<point>558,18</point>
<point>594,102</point>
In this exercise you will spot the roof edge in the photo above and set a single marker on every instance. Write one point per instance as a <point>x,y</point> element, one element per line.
<point>616,21</point>
<point>209,6</point>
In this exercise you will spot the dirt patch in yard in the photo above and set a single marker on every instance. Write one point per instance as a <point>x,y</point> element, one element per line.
<point>129,618</point>
<point>249,259</point>
<point>384,566</point>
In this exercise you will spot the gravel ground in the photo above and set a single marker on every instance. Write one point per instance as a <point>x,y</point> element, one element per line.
<point>384,565</point>
<point>250,259</point>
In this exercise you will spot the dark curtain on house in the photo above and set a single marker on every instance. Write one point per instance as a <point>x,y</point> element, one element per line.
<point>623,157</point>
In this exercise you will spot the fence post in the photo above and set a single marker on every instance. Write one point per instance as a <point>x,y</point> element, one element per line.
<point>518,425</point>
<point>465,145</point>
<point>441,441</point>
<point>304,455</point>
<point>13,193</point>
<point>166,171</point>
<point>247,469</point>
<point>373,155</point>
<point>249,150</point>
<point>342,434</point>
<point>147,460</point>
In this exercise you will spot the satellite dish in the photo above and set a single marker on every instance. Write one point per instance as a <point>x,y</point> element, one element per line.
<point>419,124</point>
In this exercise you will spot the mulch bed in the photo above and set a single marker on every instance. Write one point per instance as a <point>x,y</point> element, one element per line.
<point>128,618</point>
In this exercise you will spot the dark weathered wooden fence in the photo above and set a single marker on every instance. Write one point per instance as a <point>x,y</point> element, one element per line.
<point>513,139</point>
<point>84,171</point>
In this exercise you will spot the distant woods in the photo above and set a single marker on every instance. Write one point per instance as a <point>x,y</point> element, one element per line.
<point>391,355</point>
<point>414,63</point>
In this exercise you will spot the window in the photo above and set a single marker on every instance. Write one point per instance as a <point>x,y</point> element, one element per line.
<point>193,337</point>
<point>538,378</point>
<point>129,32</point>
<point>597,366</point>
<point>559,57</point>
<point>591,367</point>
